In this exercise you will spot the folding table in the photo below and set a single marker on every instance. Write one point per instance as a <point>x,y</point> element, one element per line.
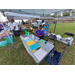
<point>47,47</point>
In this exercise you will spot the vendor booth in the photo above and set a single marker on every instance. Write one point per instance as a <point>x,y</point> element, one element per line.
<point>38,49</point>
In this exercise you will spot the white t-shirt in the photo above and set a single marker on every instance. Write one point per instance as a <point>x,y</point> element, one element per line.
<point>43,23</point>
<point>8,23</point>
<point>16,25</point>
<point>11,26</point>
<point>19,23</point>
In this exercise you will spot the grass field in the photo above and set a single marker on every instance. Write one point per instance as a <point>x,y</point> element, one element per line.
<point>19,56</point>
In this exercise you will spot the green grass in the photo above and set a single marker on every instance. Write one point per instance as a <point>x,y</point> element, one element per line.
<point>19,56</point>
<point>69,55</point>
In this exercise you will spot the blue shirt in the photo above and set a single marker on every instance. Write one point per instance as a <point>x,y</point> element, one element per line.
<point>40,32</point>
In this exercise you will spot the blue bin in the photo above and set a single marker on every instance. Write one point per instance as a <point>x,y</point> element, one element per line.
<point>55,59</point>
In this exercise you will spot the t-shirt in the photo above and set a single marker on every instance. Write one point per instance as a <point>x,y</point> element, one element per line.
<point>16,26</point>
<point>40,32</point>
<point>19,23</point>
<point>11,26</point>
<point>41,24</point>
<point>8,23</point>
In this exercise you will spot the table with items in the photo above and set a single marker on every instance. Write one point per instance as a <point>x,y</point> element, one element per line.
<point>37,48</point>
<point>7,35</point>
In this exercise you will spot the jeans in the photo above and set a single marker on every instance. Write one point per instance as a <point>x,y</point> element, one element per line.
<point>41,37</point>
<point>16,33</point>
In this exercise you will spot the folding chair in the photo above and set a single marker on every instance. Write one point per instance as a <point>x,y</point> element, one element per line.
<point>54,57</point>
<point>52,37</point>
<point>69,34</point>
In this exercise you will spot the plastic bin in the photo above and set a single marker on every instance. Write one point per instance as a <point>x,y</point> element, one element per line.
<point>3,43</point>
<point>54,58</point>
<point>9,39</point>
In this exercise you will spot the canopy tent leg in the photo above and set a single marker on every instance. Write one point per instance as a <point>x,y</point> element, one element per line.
<point>54,28</point>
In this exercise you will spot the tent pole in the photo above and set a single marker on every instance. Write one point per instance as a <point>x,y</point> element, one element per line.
<point>55,27</point>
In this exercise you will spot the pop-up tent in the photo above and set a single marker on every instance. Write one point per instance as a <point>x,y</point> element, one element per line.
<point>29,13</point>
<point>19,16</point>
<point>40,12</point>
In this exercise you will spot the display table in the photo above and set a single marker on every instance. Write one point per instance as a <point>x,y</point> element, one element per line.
<point>5,33</point>
<point>47,47</point>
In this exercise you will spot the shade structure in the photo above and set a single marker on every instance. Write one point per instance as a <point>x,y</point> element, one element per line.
<point>40,12</point>
<point>66,17</point>
<point>19,16</point>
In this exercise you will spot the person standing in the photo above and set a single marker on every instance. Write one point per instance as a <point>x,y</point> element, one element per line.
<point>16,28</point>
<point>10,25</point>
<point>23,22</point>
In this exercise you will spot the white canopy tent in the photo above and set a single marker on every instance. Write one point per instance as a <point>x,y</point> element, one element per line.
<point>40,12</point>
<point>28,13</point>
<point>19,16</point>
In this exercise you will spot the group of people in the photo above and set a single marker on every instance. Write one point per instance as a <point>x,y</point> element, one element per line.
<point>12,25</point>
<point>14,28</point>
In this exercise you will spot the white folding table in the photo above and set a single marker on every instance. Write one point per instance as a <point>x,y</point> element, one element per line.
<point>47,47</point>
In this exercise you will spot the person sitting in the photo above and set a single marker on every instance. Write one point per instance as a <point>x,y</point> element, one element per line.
<point>40,33</point>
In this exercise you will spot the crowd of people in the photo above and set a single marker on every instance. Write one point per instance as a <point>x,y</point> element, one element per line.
<point>14,28</point>
<point>12,25</point>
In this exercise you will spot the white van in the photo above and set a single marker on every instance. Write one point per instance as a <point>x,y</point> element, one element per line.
<point>37,23</point>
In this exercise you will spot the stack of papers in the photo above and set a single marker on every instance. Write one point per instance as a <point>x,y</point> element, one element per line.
<point>27,40</point>
<point>31,44</point>
<point>23,36</point>
<point>40,54</point>
<point>34,47</point>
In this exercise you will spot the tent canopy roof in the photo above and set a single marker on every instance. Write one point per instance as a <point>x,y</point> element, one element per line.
<point>31,13</point>
<point>19,16</point>
<point>40,12</point>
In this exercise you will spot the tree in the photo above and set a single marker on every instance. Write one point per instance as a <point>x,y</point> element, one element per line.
<point>66,14</point>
